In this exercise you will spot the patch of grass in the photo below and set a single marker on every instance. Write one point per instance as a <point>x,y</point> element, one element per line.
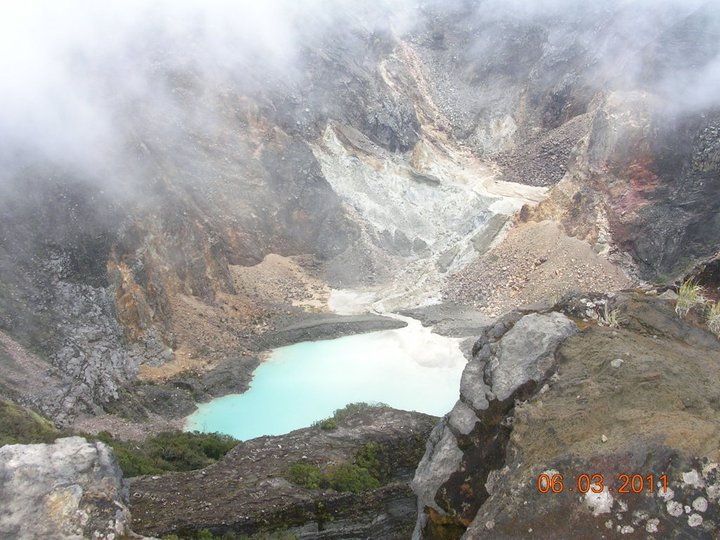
<point>328,424</point>
<point>370,457</point>
<point>713,318</point>
<point>369,470</point>
<point>345,477</point>
<point>306,475</point>
<point>169,451</point>
<point>351,409</point>
<point>690,294</point>
<point>611,319</point>
<point>19,425</point>
<point>351,477</point>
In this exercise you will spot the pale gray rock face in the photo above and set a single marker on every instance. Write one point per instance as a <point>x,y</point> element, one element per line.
<point>472,385</point>
<point>462,418</point>
<point>442,458</point>
<point>525,352</point>
<point>71,489</point>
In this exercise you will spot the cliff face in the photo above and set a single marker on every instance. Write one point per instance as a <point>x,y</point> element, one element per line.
<point>642,183</point>
<point>638,399</point>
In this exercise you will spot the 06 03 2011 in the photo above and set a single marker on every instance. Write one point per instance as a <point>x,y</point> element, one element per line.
<point>554,482</point>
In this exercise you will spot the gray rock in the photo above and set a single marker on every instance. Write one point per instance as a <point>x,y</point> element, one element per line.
<point>482,240</point>
<point>472,385</point>
<point>512,444</point>
<point>329,326</point>
<point>442,458</point>
<point>462,418</point>
<point>67,490</point>
<point>669,295</point>
<point>246,490</point>
<point>449,319</point>
<point>447,257</point>
<point>525,351</point>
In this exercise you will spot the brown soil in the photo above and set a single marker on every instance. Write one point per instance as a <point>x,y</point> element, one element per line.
<point>208,333</point>
<point>535,263</point>
<point>281,280</point>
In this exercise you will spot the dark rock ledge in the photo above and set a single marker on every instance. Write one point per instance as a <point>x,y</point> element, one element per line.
<point>247,492</point>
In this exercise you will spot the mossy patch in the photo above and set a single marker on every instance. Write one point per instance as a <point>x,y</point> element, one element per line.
<point>19,425</point>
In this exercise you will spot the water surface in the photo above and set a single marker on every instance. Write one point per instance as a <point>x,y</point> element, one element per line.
<point>409,368</point>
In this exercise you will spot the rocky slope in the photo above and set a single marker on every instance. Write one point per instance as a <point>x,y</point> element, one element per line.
<point>543,397</point>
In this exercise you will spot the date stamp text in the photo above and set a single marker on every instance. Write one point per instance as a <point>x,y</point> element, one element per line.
<point>597,483</point>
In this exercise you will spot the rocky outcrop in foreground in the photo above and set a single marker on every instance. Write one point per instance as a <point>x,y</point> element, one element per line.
<point>71,489</point>
<point>541,397</point>
<point>248,491</point>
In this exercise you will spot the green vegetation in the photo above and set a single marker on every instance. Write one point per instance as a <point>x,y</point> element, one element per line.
<point>169,451</point>
<point>345,477</point>
<point>19,425</point>
<point>713,318</point>
<point>352,409</point>
<point>372,457</point>
<point>611,319</point>
<point>306,475</point>
<point>369,470</point>
<point>690,294</point>
<point>351,477</point>
<point>373,465</point>
<point>329,424</point>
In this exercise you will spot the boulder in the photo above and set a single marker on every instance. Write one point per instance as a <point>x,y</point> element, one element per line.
<point>71,489</point>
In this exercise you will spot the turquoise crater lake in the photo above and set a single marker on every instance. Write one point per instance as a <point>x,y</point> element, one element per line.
<point>409,368</point>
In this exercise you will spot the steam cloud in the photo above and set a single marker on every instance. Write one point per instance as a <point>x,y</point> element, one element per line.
<point>73,71</point>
